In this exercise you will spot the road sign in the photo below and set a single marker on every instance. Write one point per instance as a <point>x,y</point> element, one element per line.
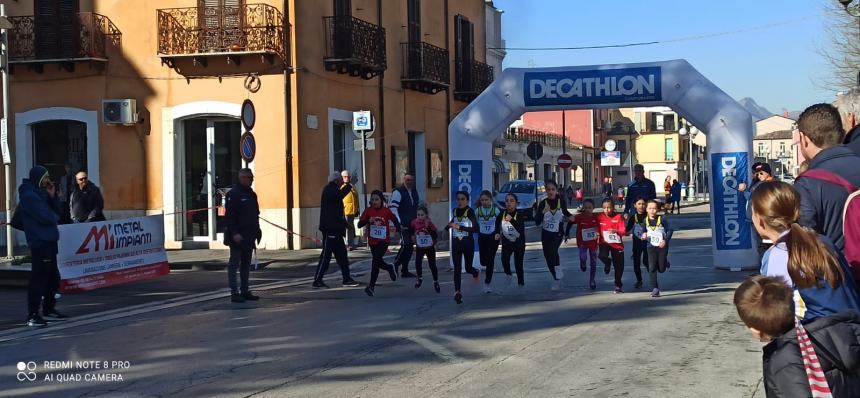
<point>248,147</point>
<point>534,150</point>
<point>249,115</point>
<point>565,161</point>
<point>610,158</point>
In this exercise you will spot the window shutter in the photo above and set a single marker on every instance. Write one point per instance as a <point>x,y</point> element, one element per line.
<point>46,21</point>
<point>414,25</point>
<point>69,28</point>
<point>342,8</point>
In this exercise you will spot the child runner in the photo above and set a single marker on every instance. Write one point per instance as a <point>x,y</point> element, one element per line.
<point>549,216</point>
<point>657,235</point>
<point>808,262</point>
<point>611,246</point>
<point>587,237</point>
<point>512,232</point>
<point>376,218</point>
<point>636,227</point>
<point>462,225</point>
<point>488,239</point>
<point>425,242</point>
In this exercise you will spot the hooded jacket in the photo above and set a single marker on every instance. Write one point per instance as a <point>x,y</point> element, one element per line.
<point>39,212</point>
<point>822,203</point>
<point>836,340</point>
<point>87,204</point>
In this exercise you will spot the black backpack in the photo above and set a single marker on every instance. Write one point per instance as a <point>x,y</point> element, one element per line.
<point>17,221</point>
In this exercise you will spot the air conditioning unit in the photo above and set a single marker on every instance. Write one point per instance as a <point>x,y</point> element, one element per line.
<point>119,111</point>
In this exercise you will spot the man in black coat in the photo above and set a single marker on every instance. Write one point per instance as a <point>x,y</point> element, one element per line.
<point>243,228</point>
<point>821,203</point>
<point>333,228</point>
<point>404,205</point>
<point>86,202</point>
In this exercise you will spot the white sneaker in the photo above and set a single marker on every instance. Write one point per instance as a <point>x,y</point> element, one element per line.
<point>556,284</point>
<point>559,272</point>
<point>655,292</point>
<point>487,288</point>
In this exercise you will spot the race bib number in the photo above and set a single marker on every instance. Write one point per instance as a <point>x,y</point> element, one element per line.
<point>551,226</point>
<point>424,240</point>
<point>655,238</point>
<point>589,234</point>
<point>509,231</point>
<point>488,227</point>
<point>460,234</point>
<point>378,231</point>
<point>638,231</point>
<point>611,237</point>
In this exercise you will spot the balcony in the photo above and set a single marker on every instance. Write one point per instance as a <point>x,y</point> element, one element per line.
<point>472,77</point>
<point>354,46</point>
<point>75,38</point>
<point>201,33</point>
<point>551,140</point>
<point>425,68</point>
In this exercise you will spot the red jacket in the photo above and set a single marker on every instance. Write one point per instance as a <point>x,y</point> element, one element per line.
<point>585,221</point>
<point>612,224</point>
<point>377,221</point>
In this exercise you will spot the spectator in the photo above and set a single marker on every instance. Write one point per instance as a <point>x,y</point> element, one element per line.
<point>351,209</point>
<point>761,173</point>
<point>667,190</point>
<point>641,187</point>
<point>607,187</point>
<point>39,216</point>
<point>243,228</point>
<point>404,205</point>
<point>849,108</point>
<point>822,203</point>
<point>333,227</point>
<point>64,193</point>
<point>676,196</point>
<point>86,203</point>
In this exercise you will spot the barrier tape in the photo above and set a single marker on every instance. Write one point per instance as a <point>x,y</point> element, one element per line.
<point>315,240</point>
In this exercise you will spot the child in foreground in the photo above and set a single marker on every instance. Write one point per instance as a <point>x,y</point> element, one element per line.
<point>587,236</point>
<point>377,218</point>
<point>425,239</point>
<point>656,236</point>
<point>611,253</point>
<point>830,363</point>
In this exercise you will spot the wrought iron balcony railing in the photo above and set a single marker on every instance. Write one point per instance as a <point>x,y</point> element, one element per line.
<point>201,32</point>
<point>354,46</point>
<point>425,67</point>
<point>471,78</point>
<point>76,37</point>
<point>548,139</point>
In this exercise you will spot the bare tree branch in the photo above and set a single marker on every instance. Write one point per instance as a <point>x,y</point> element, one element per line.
<point>843,51</point>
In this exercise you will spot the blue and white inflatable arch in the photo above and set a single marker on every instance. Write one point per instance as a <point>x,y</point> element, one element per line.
<point>675,84</point>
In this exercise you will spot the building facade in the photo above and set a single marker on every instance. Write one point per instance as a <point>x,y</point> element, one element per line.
<point>80,66</point>
<point>778,150</point>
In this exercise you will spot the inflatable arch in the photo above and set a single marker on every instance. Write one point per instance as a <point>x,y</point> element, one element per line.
<point>675,84</point>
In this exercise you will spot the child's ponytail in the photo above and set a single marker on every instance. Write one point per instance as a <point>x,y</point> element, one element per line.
<point>809,259</point>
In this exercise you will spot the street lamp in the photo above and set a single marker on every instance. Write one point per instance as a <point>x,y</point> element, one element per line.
<point>693,132</point>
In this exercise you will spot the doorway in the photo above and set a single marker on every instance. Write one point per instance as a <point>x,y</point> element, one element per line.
<point>210,164</point>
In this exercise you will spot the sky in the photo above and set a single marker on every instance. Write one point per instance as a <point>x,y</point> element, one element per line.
<point>771,51</point>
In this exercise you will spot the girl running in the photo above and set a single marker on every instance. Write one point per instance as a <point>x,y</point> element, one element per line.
<point>636,227</point>
<point>512,232</point>
<point>805,260</point>
<point>425,242</point>
<point>462,226</point>
<point>376,218</point>
<point>551,212</point>
<point>656,236</point>
<point>587,237</point>
<point>611,246</point>
<point>488,239</point>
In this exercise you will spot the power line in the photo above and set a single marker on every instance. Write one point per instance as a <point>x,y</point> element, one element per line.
<point>667,41</point>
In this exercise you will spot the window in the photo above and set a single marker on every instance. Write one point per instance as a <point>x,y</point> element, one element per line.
<point>414,20</point>
<point>57,29</point>
<point>669,122</point>
<point>516,171</point>
<point>339,145</point>
<point>670,149</point>
<point>342,8</point>
<point>464,52</point>
<point>782,149</point>
<point>762,152</point>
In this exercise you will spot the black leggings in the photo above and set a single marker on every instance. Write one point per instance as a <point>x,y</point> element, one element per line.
<point>640,256</point>
<point>610,256</point>
<point>518,249</point>
<point>551,242</point>
<point>657,257</point>
<point>431,260</point>
<point>378,251</point>
<point>460,249</point>
<point>488,246</point>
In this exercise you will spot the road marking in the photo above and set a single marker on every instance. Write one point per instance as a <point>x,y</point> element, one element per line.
<point>437,349</point>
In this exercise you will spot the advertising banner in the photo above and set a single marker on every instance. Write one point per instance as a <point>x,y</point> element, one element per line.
<point>731,227</point>
<point>107,253</point>
<point>601,86</point>
<point>610,158</point>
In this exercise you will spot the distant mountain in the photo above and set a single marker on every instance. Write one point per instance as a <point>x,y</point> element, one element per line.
<point>757,111</point>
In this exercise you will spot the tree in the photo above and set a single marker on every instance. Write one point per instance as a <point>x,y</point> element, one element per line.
<point>843,54</point>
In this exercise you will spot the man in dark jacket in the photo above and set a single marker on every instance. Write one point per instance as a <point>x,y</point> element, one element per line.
<point>404,205</point>
<point>766,306</point>
<point>822,203</point>
<point>40,213</point>
<point>243,228</point>
<point>86,202</point>
<point>641,187</point>
<point>849,108</point>
<point>333,228</point>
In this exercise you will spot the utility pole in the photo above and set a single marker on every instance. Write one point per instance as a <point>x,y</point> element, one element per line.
<point>4,128</point>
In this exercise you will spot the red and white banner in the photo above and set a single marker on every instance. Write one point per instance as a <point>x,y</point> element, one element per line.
<point>107,253</point>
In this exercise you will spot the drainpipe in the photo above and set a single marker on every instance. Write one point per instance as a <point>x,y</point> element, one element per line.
<point>448,93</point>
<point>381,123</point>
<point>288,118</point>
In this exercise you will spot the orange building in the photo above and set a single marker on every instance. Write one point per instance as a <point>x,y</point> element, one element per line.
<point>146,97</point>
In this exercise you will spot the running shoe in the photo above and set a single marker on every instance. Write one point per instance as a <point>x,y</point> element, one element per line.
<point>350,283</point>
<point>237,298</point>
<point>36,321</point>
<point>418,283</point>
<point>559,273</point>
<point>582,266</point>
<point>638,284</point>
<point>655,292</point>
<point>607,268</point>
<point>53,314</point>
<point>555,286</point>
<point>592,285</point>
<point>392,273</point>
<point>487,288</point>
<point>476,275</point>
<point>436,287</point>
<point>618,290</point>
<point>368,291</point>
<point>320,285</point>
<point>458,297</point>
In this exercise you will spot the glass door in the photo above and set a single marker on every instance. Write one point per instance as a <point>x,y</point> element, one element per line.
<point>228,162</point>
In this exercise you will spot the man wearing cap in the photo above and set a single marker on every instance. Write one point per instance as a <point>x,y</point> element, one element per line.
<point>333,228</point>
<point>761,172</point>
<point>39,216</point>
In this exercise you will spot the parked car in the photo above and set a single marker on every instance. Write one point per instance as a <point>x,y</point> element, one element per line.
<point>788,178</point>
<point>528,192</point>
